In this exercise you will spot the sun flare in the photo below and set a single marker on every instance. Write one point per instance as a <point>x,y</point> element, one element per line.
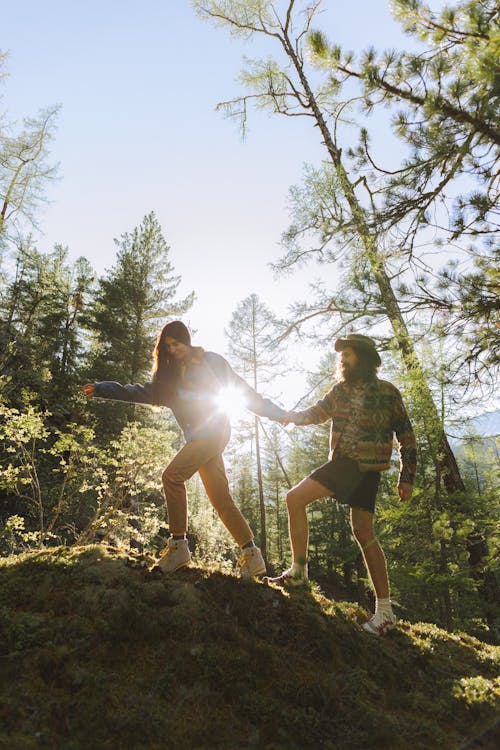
<point>231,401</point>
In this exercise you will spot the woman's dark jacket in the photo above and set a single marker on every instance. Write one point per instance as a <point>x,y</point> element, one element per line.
<point>193,400</point>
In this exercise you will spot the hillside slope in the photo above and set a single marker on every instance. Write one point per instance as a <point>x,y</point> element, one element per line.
<point>98,654</point>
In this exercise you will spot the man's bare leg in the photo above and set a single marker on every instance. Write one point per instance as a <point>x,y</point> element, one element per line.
<point>297,500</point>
<point>364,532</point>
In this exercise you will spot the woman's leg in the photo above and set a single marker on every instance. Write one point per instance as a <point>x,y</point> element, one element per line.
<point>182,467</point>
<point>213,476</point>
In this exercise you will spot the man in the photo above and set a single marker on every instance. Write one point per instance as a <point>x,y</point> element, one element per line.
<point>366,412</point>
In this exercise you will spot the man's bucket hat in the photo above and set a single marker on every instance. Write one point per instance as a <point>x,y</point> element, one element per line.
<point>358,341</point>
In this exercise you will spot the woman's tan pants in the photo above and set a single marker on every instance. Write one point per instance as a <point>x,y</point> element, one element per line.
<point>204,456</point>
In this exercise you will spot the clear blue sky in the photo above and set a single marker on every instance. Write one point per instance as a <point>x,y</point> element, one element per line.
<point>138,83</point>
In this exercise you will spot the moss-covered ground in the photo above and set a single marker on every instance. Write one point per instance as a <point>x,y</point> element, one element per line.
<point>96,653</point>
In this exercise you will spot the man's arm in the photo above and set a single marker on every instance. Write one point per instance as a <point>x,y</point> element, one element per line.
<point>407,446</point>
<point>320,412</point>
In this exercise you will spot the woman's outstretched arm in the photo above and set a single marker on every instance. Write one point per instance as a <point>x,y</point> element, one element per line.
<point>137,394</point>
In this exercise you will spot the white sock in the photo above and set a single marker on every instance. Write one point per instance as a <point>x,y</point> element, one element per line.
<point>300,569</point>
<point>383,606</point>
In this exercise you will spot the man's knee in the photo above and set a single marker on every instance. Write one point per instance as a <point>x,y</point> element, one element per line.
<point>364,535</point>
<point>294,499</point>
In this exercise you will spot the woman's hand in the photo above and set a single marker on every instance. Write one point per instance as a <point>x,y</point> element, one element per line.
<point>89,390</point>
<point>291,417</point>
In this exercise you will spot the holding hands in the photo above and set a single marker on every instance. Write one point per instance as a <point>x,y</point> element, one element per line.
<point>291,417</point>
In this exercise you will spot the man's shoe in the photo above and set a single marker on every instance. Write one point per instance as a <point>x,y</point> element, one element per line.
<point>380,624</point>
<point>251,563</point>
<point>291,578</point>
<point>174,556</point>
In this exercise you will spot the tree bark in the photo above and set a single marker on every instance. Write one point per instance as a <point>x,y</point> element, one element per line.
<point>450,471</point>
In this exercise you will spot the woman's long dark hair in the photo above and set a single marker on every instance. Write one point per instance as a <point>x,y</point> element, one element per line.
<point>165,371</point>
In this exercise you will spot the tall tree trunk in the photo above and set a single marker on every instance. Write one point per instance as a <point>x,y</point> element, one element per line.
<point>450,471</point>
<point>260,485</point>
<point>277,456</point>
<point>445,593</point>
<point>262,506</point>
<point>279,536</point>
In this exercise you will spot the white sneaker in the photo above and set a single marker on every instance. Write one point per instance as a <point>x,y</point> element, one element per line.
<point>174,555</point>
<point>292,578</point>
<point>380,623</point>
<point>251,563</point>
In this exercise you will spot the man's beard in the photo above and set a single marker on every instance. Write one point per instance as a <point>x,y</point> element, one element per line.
<point>351,373</point>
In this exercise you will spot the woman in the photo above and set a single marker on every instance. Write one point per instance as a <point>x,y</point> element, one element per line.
<point>188,380</point>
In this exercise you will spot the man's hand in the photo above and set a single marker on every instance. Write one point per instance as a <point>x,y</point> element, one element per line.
<point>89,390</point>
<point>405,490</point>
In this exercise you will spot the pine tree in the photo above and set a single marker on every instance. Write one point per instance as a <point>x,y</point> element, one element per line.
<point>132,301</point>
<point>340,216</point>
<point>24,170</point>
<point>447,95</point>
<point>41,317</point>
<point>253,349</point>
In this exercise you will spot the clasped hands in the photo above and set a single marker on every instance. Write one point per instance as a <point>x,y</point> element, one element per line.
<point>291,417</point>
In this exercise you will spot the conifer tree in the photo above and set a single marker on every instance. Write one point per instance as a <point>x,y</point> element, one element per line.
<point>276,481</point>
<point>447,95</point>
<point>252,346</point>
<point>41,317</point>
<point>131,303</point>
<point>24,168</point>
<point>338,213</point>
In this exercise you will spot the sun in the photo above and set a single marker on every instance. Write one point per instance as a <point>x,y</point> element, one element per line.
<point>231,401</point>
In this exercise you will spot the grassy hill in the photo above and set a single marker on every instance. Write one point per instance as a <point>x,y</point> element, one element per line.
<point>95,653</point>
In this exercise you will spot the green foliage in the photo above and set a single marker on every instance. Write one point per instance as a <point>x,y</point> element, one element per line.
<point>24,169</point>
<point>245,14</point>
<point>241,473</point>
<point>444,92</point>
<point>125,488</point>
<point>41,318</point>
<point>14,538</point>
<point>212,544</point>
<point>70,488</point>
<point>132,302</point>
<point>476,692</point>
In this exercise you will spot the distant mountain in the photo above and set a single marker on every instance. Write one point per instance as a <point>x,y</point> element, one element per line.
<point>488,424</point>
<point>485,425</point>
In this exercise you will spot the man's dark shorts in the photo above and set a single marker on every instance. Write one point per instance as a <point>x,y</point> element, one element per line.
<point>347,483</point>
